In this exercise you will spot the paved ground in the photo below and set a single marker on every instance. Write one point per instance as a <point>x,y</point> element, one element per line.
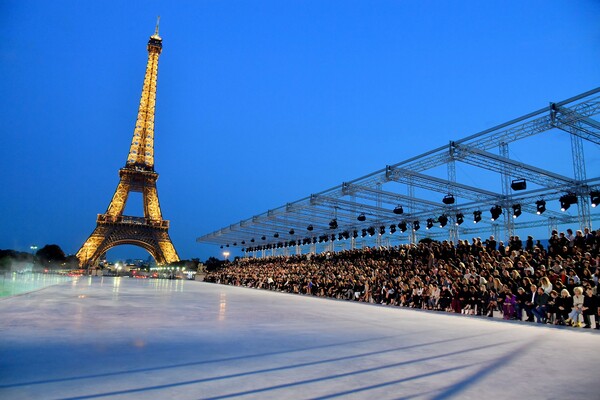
<point>121,338</point>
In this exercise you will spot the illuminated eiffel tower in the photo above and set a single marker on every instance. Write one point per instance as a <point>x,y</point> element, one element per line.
<point>150,231</point>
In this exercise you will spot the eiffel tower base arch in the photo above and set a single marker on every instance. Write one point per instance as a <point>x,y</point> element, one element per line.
<point>154,239</point>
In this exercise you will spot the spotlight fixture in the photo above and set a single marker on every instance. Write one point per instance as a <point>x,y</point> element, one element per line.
<point>276,235</point>
<point>382,230</point>
<point>449,199</point>
<point>392,229</point>
<point>363,233</point>
<point>235,243</point>
<point>263,238</point>
<point>292,231</point>
<point>443,220</point>
<point>361,217</point>
<point>355,234</point>
<point>398,210</point>
<point>496,211</point>
<point>314,240</point>
<point>252,240</point>
<point>595,198</point>
<point>567,200</point>
<point>309,228</point>
<point>541,206</point>
<point>416,226</point>
<point>402,226</point>
<point>371,231</point>
<point>460,218</point>
<point>476,216</point>
<point>516,210</point>
<point>346,235</point>
<point>429,223</point>
<point>243,242</point>
<point>227,245</point>
<point>333,237</point>
<point>333,224</point>
<point>518,184</point>
<point>221,246</point>
<point>340,236</point>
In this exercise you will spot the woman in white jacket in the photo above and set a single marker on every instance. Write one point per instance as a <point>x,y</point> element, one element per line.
<point>577,307</point>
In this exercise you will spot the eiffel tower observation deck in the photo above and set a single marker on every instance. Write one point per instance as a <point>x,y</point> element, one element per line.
<point>150,231</point>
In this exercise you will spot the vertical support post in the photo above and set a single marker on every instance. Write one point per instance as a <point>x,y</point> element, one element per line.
<point>412,236</point>
<point>509,224</point>
<point>552,225</point>
<point>378,203</point>
<point>451,169</point>
<point>583,206</point>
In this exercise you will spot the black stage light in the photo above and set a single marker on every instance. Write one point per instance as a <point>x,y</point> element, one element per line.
<point>518,184</point>
<point>416,226</point>
<point>263,238</point>
<point>361,217</point>
<point>449,199</point>
<point>595,198</point>
<point>244,249</point>
<point>496,211</point>
<point>252,240</point>
<point>392,229</point>
<point>333,224</point>
<point>227,245</point>
<point>567,200</point>
<point>309,228</point>
<point>235,243</point>
<point>346,235</point>
<point>371,231</point>
<point>516,210</point>
<point>382,230</point>
<point>398,210</point>
<point>541,206</point>
<point>429,223</point>
<point>460,218</point>
<point>363,233</point>
<point>243,242</point>
<point>333,237</point>
<point>354,234</point>
<point>443,220</point>
<point>326,238</point>
<point>314,240</point>
<point>476,216</point>
<point>292,231</point>
<point>402,226</point>
<point>276,235</point>
<point>221,246</point>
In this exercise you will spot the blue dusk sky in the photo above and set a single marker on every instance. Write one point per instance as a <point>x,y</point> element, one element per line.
<point>260,103</point>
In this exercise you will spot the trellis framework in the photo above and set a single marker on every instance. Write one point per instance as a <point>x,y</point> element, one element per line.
<point>331,217</point>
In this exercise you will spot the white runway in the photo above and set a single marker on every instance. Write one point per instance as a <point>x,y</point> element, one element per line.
<point>107,338</point>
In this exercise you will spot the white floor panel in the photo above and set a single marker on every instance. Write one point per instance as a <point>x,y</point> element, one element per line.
<point>110,338</point>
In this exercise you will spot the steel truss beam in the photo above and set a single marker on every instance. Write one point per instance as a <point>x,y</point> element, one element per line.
<point>346,201</point>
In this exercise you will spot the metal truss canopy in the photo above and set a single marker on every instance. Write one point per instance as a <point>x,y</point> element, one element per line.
<point>333,212</point>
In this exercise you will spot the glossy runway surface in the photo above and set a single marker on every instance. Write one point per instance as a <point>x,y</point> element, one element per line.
<point>111,338</point>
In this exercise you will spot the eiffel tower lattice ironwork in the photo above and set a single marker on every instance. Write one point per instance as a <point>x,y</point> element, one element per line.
<point>150,231</point>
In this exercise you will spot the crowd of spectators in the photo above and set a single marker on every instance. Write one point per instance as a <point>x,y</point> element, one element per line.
<point>557,284</point>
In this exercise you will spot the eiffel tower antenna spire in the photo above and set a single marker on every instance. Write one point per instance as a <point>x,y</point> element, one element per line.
<point>156,30</point>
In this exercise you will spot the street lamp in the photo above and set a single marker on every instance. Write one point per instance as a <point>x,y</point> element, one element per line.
<point>33,248</point>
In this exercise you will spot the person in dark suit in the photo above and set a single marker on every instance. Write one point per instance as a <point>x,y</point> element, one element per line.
<point>541,302</point>
<point>530,303</point>
<point>590,307</point>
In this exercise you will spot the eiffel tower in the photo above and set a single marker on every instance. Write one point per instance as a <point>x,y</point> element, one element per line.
<point>150,231</point>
